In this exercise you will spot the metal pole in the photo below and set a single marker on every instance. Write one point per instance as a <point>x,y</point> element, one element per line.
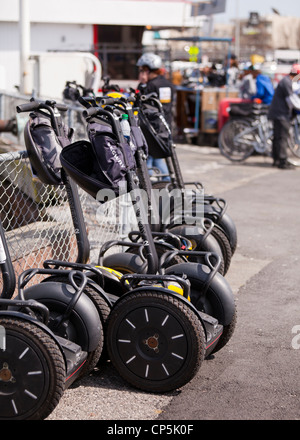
<point>237,31</point>
<point>24,32</point>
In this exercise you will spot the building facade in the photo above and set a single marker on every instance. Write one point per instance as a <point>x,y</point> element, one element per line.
<point>112,30</point>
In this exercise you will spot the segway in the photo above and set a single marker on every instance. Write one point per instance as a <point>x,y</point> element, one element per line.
<point>39,358</point>
<point>215,330</point>
<point>140,345</point>
<point>45,135</point>
<point>157,344</point>
<point>205,235</point>
<point>160,143</point>
<point>198,237</point>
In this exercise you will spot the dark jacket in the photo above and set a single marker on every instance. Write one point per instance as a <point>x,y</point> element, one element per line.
<point>279,108</point>
<point>165,92</point>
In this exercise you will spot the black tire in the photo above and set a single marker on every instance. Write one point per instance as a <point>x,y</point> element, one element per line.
<point>228,331</point>
<point>155,341</point>
<point>224,244</point>
<point>29,349</point>
<point>215,302</point>
<point>226,223</point>
<point>232,149</point>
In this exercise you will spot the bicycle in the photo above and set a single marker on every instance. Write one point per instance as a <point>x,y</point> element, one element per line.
<point>249,131</point>
<point>295,144</point>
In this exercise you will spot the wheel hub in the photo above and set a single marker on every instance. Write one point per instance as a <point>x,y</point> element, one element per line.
<point>152,342</point>
<point>6,374</point>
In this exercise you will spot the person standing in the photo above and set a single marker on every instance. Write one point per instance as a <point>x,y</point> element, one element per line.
<point>233,72</point>
<point>247,87</point>
<point>264,87</point>
<point>255,85</point>
<point>281,112</point>
<point>152,80</point>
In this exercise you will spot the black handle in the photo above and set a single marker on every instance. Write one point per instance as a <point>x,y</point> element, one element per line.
<point>28,107</point>
<point>112,101</point>
<point>37,105</point>
<point>91,111</point>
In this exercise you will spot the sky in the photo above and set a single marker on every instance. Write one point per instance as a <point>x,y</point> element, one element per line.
<point>263,7</point>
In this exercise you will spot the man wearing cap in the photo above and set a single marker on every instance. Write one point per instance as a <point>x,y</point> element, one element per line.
<point>280,112</point>
<point>150,67</point>
<point>152,80</point>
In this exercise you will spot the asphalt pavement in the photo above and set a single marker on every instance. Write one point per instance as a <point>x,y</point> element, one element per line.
<point>255,376</point>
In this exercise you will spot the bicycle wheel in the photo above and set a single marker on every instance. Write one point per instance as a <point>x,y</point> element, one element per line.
<point>236,140</point>
<point>32,372</point>
<point>294,140</point>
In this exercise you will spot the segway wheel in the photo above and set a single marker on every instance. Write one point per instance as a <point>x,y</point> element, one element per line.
<point>32,371</point>
<point>155,340</point>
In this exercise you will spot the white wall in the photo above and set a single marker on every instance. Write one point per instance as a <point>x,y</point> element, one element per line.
<point>44,37</point>
<point>123,12</point>
<point>68,25</point>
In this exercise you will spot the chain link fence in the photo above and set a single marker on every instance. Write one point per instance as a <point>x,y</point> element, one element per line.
<point>37,218</point>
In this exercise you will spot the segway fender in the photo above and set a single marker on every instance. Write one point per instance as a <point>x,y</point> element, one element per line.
<point>159,290</point>
<point>58,295</point>
<point>219,292</point>
<point>91,281</point>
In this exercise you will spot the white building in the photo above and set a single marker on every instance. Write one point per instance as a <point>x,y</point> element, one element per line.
<point>108,28</point>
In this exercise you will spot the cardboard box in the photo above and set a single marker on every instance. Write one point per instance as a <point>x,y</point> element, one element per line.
<point>211,98</point>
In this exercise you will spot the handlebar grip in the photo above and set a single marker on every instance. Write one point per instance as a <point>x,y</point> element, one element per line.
<point>92,111</point>
<point>34,105</point>
<point>108,101</point>
<point>61,107</point>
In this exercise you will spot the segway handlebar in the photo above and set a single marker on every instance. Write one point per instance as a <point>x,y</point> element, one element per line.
<point>38,105</point>
<point>108,100</point>
<point>91,111</point>
<point>112,101</point>
<point>28,107</point>
<point>50,106</point>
